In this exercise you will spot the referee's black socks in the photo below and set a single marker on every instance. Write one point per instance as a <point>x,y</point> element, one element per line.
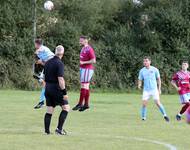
<point>47,121</point>
<point>62,118</point>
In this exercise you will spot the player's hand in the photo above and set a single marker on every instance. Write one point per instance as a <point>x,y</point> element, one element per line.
<point>178,88</point>
<point>139,87</point>
<point>66,97</point>
<point>82,62</point>
<point>39,62</point>
<point>160,91</point>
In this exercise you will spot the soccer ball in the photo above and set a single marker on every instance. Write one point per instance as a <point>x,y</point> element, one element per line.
<point>48,5</point>
<point>188,115</point>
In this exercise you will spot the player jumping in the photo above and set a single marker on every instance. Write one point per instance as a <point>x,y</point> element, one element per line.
<point>181,81</point>
<point>150,76</point>
<point>87,59</point>
<point>43,54</point>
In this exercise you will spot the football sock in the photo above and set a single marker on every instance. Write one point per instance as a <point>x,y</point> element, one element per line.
<point>47,121</point>
<point>82,96</point>
<point>184,108</point>
<point>42,95</point>
<point>143,112</point>
<point>87,95</point>
<point>62,118</point>
<point>179,114</point>
<point>162,110</point>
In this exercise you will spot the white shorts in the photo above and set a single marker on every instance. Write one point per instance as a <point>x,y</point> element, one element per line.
<point>185,98</point>
<point>148,94</point>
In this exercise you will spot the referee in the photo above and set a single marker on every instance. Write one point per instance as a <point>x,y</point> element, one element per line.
<point>55,91</point>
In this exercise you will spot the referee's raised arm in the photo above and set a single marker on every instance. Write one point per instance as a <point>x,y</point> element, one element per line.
<point>55,91</point>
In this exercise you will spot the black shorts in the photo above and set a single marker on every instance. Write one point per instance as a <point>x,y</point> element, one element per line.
<point>54,96</point>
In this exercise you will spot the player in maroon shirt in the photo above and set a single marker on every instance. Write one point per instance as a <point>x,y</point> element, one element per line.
<point>181,81</point>
<point>87,59</point>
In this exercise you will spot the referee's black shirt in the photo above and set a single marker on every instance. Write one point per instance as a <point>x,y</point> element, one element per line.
<point>53,69</point>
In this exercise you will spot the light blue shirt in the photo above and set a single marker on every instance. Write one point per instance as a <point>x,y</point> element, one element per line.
<point>44,53</point>
<point>149,77</point>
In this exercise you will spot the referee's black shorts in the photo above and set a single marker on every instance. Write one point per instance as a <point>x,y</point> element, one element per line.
<point>54,96</point>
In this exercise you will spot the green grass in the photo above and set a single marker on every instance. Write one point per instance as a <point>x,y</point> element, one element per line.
<point>111,124</point>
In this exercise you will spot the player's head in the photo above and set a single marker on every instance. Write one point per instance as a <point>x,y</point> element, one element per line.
<point>83,40</point>
<point>38,42</point>
<point>59,51</point>
<point>185,65</point>
<point>147,61</point>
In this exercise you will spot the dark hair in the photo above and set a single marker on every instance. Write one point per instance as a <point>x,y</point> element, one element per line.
<point>147,57</point>
<point>85,37</point>
<point>38,41</point>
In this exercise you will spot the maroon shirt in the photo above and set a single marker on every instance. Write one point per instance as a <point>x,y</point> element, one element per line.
<point>86,54</point>
<point>183,81</point>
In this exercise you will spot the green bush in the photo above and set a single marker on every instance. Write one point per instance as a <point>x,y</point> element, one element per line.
<point>121,32</point>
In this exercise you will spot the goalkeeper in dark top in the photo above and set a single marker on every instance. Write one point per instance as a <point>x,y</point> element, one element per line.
<point>42,54</point>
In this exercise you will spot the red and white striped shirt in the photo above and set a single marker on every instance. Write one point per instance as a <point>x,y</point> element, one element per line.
<point>183,81</point>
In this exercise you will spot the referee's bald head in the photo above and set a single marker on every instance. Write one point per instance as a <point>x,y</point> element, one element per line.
<point>59,50</point>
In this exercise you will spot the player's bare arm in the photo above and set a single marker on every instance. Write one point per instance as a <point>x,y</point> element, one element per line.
<point>62,86</point>
<point>175,85</point>
<point>61,83</point>
<point>159,85</point>
<point>92,61</point>
<point>139,84</point>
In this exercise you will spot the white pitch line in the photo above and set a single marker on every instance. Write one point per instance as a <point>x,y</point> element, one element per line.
<point>167,145</point>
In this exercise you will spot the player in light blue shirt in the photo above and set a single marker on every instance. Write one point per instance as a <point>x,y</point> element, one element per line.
<point>150,77</point>
<point>43,54</point>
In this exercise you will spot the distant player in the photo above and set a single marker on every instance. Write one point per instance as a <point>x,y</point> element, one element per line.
<point>43,54</point>
<point>87,59</point>
<point>150,76</point>
<point>181,81</point>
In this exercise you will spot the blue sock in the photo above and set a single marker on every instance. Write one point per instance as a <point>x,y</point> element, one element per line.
<point>42,95</point>
<point>162,110</point>
<point>143,112</point>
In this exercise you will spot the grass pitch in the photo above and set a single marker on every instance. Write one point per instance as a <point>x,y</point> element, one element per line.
<point>112,123</point>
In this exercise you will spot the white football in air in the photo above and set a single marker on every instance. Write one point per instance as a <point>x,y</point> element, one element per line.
<point>48,5</point>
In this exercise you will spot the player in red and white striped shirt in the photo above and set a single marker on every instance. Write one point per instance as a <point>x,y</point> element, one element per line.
<point>181,81</point>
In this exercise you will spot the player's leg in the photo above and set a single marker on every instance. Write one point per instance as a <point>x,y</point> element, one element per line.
<point>86,86</point>
<point>47,119</point>
<point>144,109</point>
<point>82,90</point>
<point>184,99</point>
<point>62,118</point>
<point>42,96</point>
<point>50,109</point>
<point>145,98</point>
<point>88,79</point>
<point>62,100</point>
<point>160,105</point>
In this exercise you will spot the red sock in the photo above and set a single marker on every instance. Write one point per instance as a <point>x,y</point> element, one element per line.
<point>82,96</point>
<point>184,108</point>
<point>87,95</point>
